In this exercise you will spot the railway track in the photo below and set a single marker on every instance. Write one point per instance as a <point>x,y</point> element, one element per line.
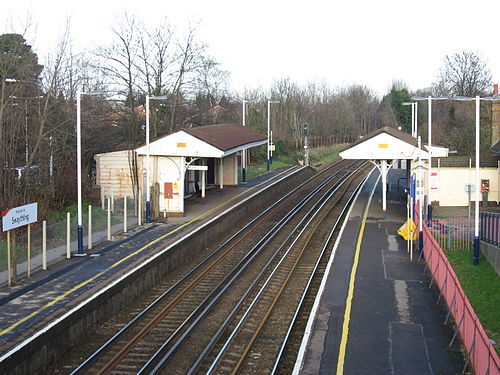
<point>238,310</point>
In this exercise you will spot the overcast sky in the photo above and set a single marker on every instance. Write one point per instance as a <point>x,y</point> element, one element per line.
<point>351,41</point>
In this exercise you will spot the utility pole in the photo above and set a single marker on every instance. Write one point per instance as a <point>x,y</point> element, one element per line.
<point>306,149</point>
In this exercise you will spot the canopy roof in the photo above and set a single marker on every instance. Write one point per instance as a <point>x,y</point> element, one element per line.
<point>212,141</point>
<point>385,144</point>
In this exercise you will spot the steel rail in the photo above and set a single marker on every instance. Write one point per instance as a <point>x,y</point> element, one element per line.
<point>261,217</point>
<point>165,358</point>
<point>249,309</point>
<point>226,285</point>
<point>314,272</point>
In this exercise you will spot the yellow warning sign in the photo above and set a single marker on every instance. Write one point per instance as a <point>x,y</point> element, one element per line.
<point>408,230</point>
<point>383,145</point>
<point>181,144</point>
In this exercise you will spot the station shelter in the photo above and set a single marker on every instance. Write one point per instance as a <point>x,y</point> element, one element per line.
<point>181,164</point>
<point>386,146</point>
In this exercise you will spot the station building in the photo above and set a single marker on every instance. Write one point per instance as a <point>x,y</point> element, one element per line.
<point>183,163</point>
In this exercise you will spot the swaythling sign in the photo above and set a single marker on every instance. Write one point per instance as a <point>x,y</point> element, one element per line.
<point>19,216</point>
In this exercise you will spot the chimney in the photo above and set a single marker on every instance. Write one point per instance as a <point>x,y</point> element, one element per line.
<point>495,89</point>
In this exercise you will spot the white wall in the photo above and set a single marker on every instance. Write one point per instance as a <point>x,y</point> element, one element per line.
<point>450,184</point>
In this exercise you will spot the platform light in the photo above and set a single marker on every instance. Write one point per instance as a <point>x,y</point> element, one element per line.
<point>429,127</point>
<point>79,228</point>
<point>148,189</point>
<point>269,132</point>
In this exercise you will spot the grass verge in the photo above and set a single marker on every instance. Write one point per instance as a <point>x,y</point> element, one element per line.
<point>481,284</point>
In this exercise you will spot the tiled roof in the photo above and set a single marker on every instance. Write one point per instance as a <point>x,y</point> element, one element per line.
<point>226,136</point>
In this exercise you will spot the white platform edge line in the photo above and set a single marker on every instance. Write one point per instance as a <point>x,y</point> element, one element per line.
<point>314,310</point>
<point>83,303</point>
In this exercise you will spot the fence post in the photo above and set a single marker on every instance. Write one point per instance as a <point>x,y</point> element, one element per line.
<point>68,235</point>
<point>89,244</point>
<point>44,245</point>
<point>448,229</point>
<point>28,260</point>
<point>109,219</point>
<point>124,214</point>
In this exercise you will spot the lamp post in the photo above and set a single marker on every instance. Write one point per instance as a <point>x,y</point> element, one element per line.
<point>414,109</point>
<point>429,128</point>
<point>477,100</point>
<point>79,228</point>
<point>244,154</point>
<point>148,189</point>
<point>269,132</point>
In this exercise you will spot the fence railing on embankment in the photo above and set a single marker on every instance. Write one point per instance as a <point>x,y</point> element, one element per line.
<point>57,241</point>
<point>481,354</point>
<point>490,228</point>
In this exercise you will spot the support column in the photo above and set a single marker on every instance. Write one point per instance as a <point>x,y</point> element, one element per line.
<point>221,173</point>
<point>203,183</point>
<point>383,172</point>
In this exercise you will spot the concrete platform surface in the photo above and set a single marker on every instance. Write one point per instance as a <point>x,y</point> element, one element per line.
<point>386,320</point>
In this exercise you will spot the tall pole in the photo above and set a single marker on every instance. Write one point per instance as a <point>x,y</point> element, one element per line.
<point>148,202</point>
<point>244,154</point>
<point>26,130</point>
<point>413,119</point>
<point>419,195</point>
<point>79,228</point>
<point>268,133</point>
<point>429,203</point>
<point>476,212</point>
<point>416,119</point>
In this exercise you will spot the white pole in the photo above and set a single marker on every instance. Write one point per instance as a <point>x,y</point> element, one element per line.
<point>383,169</point>
<point>429,203</point>
<point>148,203</point>
<point>413,119</point>
<point>244,151</point>
<point>79,170</point>
<point>9,276</point>
<point>478,182</point>
<point>420,198</point>
<point>203,184</point>
<point>89,244</point>
<point>139,208</point>
<point>221,173</point>
<point>109,219</point>
<point>68,235</point>
<point>268,133</point>
<point>44,245</point>
<point>28,264</point>
<point>125,214</point>
<point>416,119</point>
<point>113,201</point>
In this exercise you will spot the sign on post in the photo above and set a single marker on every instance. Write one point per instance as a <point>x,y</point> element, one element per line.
<point>19,216</point>
<point>168,190</point>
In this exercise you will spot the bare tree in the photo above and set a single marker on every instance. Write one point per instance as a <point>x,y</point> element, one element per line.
<point>463,73</point>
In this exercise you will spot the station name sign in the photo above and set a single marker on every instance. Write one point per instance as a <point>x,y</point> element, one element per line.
<point>19,216</point>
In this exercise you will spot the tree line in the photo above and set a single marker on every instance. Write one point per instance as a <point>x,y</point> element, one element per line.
<point>38,105</point>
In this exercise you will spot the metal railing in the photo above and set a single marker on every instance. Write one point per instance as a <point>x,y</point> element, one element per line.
<point>480,352</point>
<point>490,228</point>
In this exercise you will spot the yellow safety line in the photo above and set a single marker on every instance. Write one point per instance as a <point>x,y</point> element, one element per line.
<point>82,284</point>
<point>350,294</point>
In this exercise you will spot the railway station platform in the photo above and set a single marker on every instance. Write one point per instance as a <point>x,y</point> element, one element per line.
<point>27,308</point>
<point>375,313</point>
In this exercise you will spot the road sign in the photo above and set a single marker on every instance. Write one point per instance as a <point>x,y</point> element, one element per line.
<point>19,216</point>
<point>197,168</point>
<point>470,188</point>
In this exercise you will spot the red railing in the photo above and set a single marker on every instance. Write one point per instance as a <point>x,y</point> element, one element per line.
<point>481,354</point>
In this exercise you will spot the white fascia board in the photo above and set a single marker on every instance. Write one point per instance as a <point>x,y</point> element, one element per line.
<point>383,146</point>
<point>437,151</point>
<point>181,144</point>
<point>244,147</point>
